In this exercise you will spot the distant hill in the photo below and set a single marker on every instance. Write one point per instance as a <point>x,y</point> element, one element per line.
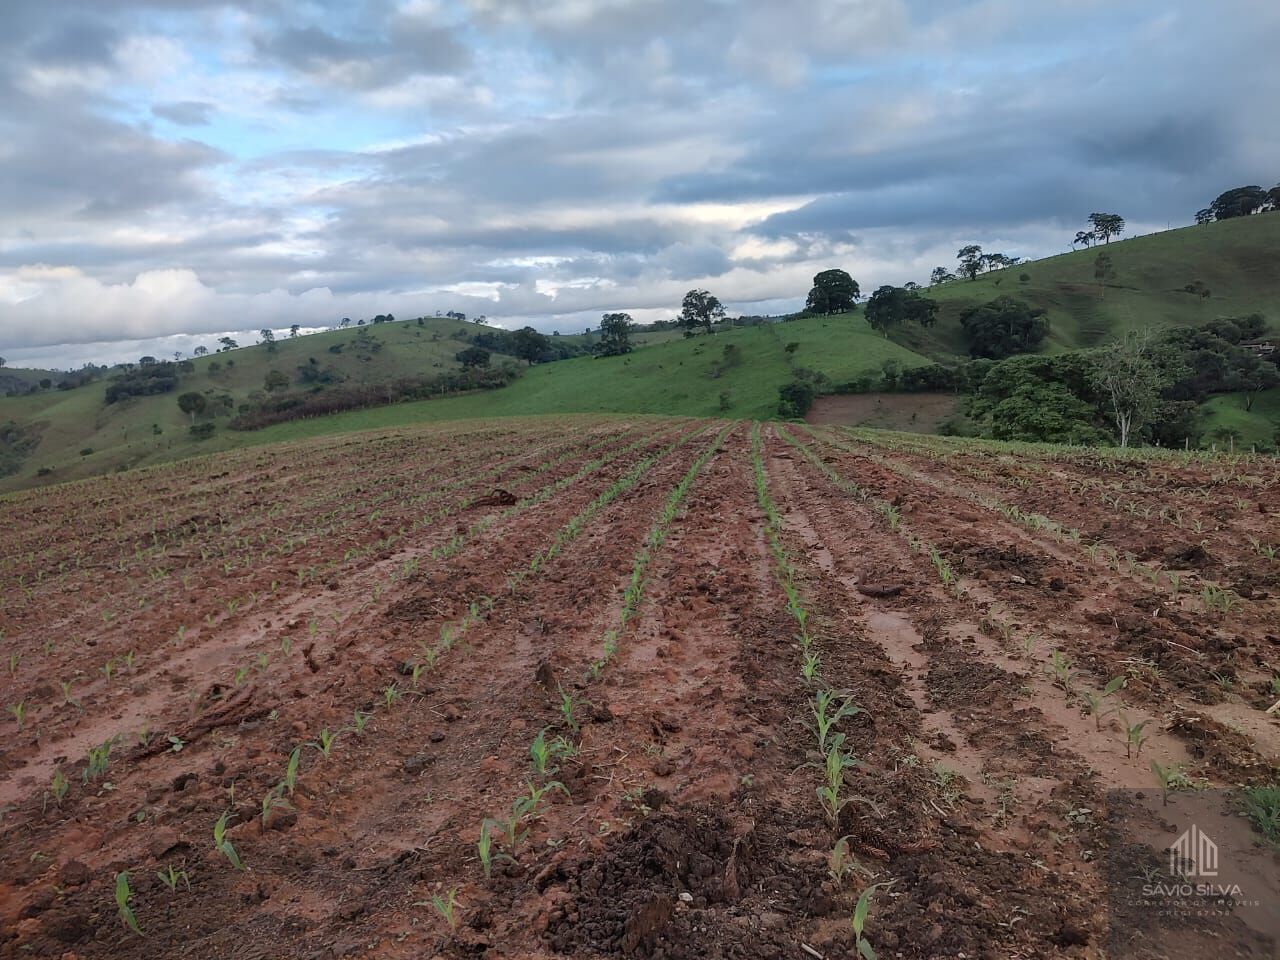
<point>1236,259</point>
<point>80,435</point>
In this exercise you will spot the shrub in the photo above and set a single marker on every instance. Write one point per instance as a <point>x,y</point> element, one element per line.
<point>202,431</point>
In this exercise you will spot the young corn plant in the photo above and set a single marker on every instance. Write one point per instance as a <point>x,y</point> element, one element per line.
<point>58,787</point>
<point>835,763</point>
<point>1133,736</point>
<point>1172,779</point>
<point>272,801</point>
<point>1064,674</point>
<point>19,711</point>
<point>1096,701</point>
<point>291,770</point>
<point>222,844</point>
<point>171,876</point>
<point>485,847</point>
<point>123,896</point>
<point>447,907</point>
<point>325,743</point>
<point>861,911</point>
<point>825,717</point>
<point>568,709</point>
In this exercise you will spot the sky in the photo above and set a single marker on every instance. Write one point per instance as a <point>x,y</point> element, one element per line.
<point>173,170</point>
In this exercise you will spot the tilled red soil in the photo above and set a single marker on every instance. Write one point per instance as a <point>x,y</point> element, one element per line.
<point>419,611</point>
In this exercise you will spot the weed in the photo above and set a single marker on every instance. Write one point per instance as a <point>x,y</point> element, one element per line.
<point>1261,807</point>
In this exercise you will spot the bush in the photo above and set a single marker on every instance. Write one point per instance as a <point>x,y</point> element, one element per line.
<point>86,451</point>
<point>202,431</point>
<point>795,399</point>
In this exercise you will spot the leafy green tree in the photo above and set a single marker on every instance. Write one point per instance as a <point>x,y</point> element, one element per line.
<point>269,339</point>
<point>1106,225</point>
<point>476,357</point>
<point>528,344</point>
<point>1239,202</point>
<point>1085,238</point>
<point>293,330</point>
<point>200,351</point>
<point>700,309</point>
<point>275,380</point>
<point>834,291</point>
<point>1249,373</point>
<point>1198,288</point>
<point>940,275</point>
<point>615,335</point>
<point>1204,216</point>
<point>228,343</point>
<point>893,306</point>
<point>970,258</point>
<point>795,398</point>
<point>1003,327</point>
<point>1129,374</point>
<point>2,361</point>
<point>1036,399</point>
<point>193,404</point>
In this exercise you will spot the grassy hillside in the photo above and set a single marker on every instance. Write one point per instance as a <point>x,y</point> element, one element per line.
<point>670,375</point>
<point>1235,258</point>
<point>1226,417</point>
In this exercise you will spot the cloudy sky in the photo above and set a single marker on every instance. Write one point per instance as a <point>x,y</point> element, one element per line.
<point>174,169</point>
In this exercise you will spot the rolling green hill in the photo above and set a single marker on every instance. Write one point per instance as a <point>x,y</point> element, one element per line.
<point>1236,259</point>
<point>667,374</point>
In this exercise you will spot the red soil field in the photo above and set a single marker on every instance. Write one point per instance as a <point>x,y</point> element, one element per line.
<point>691,688</point>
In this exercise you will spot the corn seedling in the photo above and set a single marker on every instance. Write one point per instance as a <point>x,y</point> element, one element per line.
<point>485,847</point>
<point>222,844</point>
<point>359,721</point>
<point>811,666</point>
<point>861,911</point>
<point>823,721</point>
<point>390,695</point>
<point>568,708</point>
<point>1171,779</point>
<point>841,864</point>
<point>58,787</point>
<point>19,711</point>
<point>123,896</point>
<point>170,877</point>
<point>836,762</point>
<point>291,770</point>
<point>1064,674</point>
<point>14,659</point>
<point>1096,701</point>
<point>98,760</point>
<point>325,743</point>
<point>447,907</point>
<point>1133,736</point>
<point>273,800</point>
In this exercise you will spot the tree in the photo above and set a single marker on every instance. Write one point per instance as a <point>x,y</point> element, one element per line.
<point>275,380</point>
<point>193,404</point>
<point>1204,216</point>
<point>147,361</point>
<point>1003,327</point>
<point>834,291</point>
<point>1239,202</point>
<point>1198,288</point>
<point>474,357</point>
<point>199,351</point>
<point>1085,238</point>
<point>529,344</point>
<point>997,261</point>
<point>1107,225</point>
<point>269,339</point>
<point>1128,374</point>
<point>228,343</point>
<point>795,398</point>
<point>293,330</point>
<point>700,309</point>
<point>1249,373</point>
<point>890,306</point>
<point>970,258</point>
<point>940,275</point>
<point>615,335</point>
<point>2,361</point>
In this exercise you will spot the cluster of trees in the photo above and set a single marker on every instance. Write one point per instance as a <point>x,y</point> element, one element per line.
<point>1003,327</point>
<point>1240,202</point>
<point>1146,387</point>
<point>896,306</point>
<point>972,262</point>
<point>1103,226</point>
<point>296,405</point>
<point>148,377</point>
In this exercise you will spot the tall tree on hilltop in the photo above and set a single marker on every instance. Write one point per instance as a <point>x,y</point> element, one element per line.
<point>834,291</point>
